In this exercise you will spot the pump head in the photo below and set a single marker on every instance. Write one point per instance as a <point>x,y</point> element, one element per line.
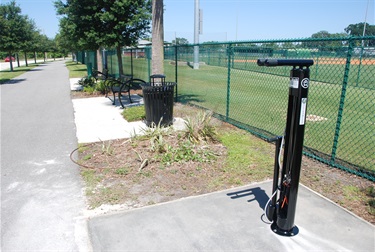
<point>285,62</point>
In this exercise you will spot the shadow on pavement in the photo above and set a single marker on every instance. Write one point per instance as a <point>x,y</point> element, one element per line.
<point>11,81</point>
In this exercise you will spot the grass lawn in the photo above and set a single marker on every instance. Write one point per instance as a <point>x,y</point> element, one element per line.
<point>7,75</point>
<point>76,70</point>
<point>260,100</point>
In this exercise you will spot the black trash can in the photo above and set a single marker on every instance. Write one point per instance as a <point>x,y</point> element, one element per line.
<point>158,101</point>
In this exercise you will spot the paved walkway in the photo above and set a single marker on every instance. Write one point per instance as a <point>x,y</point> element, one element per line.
<point>42,202</point>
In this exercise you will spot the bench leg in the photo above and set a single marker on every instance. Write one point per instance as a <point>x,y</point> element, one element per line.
<point>114,99</point>
<point>130,99</point>
<point>119,99</point>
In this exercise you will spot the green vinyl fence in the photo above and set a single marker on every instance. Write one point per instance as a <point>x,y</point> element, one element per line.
<point>340,128</point>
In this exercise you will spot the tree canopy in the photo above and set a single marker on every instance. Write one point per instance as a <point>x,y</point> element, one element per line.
<point>16,30</point>
<point>90,24</point>
<point>180,41</point>
<point>357,29</point>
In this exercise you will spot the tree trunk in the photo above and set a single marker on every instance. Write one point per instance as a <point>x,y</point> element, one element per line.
<point>35,57</point>
<point>157,37</point>
<point>26,59</point>
<point>10,61</point>
<point>119,59</point>
<point>18,60</point>
<point>99,59</point>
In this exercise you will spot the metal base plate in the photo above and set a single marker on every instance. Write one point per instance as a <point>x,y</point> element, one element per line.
<point>294,231</point>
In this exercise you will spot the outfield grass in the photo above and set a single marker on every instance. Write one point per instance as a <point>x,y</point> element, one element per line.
<point>259,99</point>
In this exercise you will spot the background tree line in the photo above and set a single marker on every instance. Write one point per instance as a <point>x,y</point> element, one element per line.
<point>18,34</point>
<point>92,24</point>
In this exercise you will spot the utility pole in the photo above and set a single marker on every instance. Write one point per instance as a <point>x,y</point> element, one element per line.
<point>364,25</point>
<point>196,35</point>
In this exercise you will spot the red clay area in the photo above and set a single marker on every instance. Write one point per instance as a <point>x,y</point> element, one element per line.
<point>324,61</point>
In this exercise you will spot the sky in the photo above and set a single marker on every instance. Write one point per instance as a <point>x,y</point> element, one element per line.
<point>236,20</point>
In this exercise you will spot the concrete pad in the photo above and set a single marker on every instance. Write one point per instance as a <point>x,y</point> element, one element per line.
<point>231,220</point>
<point>74,86</point>
<point>97,119</point>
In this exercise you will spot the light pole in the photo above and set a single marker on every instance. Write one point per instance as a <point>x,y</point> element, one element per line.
<point>196,35</point>
<point>364,25</point>
<point>362,46</point>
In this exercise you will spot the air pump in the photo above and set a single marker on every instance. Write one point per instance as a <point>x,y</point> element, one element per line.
<point>281,207</point>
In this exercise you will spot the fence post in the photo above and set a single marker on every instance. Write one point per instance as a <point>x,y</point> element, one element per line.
<point>175,70</point>
<point>208,56</point>
<point>360,64</point>
<point>229,54</point>
<point>131,62</point>
<point>148,50</point>
<point>111,59</point>
<point>342,102</point>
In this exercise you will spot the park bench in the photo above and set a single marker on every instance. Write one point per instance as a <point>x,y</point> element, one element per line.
<point>105,77</point>
<point>100,75</point>
<point>118,86</point>
<point>124,85</point>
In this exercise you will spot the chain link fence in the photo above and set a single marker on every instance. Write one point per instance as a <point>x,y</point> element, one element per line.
<point>340,128</point>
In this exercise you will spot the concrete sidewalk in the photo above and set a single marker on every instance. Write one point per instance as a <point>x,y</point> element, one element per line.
<point>231,220</point>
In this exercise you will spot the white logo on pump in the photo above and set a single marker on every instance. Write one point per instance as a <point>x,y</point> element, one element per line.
<point>305,83</point>
<point>294,82</point>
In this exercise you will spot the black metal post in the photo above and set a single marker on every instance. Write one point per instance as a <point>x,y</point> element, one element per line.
<point>283,220</point>
<point>271,208</point>
<point>131,63</point>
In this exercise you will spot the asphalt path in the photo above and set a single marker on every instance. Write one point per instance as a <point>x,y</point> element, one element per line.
<point>42,202</point>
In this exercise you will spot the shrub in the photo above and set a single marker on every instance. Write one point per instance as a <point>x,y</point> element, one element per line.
<point>100,86</point>
<point>87,82</point>
<point>200,128</point>
<point>90,85</point>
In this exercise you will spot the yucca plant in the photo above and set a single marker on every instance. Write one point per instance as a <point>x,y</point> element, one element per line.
<point>156,135</point>
<point>200,128</point>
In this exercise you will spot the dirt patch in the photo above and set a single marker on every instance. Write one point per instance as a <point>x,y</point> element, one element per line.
<point>128,172</point>
<point>325,61</point>
<point>81,94</point>
<point>342,61</point>
<point>315,118</point>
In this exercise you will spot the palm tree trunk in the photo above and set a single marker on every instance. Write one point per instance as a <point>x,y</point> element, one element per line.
<point>157,37</point>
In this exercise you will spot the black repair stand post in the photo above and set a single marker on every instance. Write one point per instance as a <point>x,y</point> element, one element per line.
<point>282,209</point>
